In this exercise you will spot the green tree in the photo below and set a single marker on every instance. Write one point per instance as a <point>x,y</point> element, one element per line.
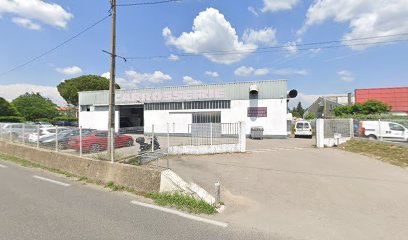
<point>300,109</point>
<point>295,113</point>
<point>33,106</point>
<point>69,88</point>
<point>6,109</point>
<point>310,116</point>
<point>368,108</point>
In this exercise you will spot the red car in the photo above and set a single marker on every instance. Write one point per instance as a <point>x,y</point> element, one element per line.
<point>98,141</point>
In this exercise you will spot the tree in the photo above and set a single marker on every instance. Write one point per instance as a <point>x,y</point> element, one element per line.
<point>368,108</point>
<point>310,116</point>
<point>299,109</point>
<point>69,89</point>
<point>6,109</point>
<point>33,106</point>
<point>295,113</point>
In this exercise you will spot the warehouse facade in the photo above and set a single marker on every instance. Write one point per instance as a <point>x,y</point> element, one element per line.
<point>260,103</point>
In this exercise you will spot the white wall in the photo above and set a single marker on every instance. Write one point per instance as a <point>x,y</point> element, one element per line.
<point>97,120</point>
<point>274,124</point>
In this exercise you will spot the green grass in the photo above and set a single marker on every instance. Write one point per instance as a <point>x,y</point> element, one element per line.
<point>393,154</point>
<point>182,202</point>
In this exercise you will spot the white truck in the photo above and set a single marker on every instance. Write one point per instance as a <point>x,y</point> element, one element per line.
<point>383,129</point>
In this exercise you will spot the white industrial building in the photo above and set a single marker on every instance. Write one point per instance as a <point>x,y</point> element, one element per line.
<point>260,103</point>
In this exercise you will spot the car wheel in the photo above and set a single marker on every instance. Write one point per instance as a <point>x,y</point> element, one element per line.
<point>129,143</point>
<point>94,148</point>
<point>372,137</point>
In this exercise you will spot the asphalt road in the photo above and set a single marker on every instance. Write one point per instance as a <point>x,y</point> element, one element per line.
<point>33,207</point>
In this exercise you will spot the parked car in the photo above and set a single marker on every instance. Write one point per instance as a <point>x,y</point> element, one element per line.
<point>44,124</point>
<point>44,133</point>
<point>17,130</point>
<point>98,141</point>
<point>63,137</point>
<point>386,130</point>
<point>63,123</point>
<point>303,129</point>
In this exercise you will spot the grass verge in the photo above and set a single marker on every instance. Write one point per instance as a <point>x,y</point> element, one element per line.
<point>177,200</point>
<point>393,154</point>
<point>182,202</point>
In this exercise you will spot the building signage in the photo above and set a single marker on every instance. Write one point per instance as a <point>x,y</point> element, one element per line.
<point>127,97</point>
<point>257,112</point>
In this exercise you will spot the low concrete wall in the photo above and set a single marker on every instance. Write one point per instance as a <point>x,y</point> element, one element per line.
<point>205,149</point>
<point>331,142</point>
<point>137,178</point>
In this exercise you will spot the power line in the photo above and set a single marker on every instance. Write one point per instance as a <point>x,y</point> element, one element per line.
<point>56,47</point>
<point>270,49</point>
<point>146,3</point>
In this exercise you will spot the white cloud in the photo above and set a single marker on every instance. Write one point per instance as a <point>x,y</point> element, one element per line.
<point>266,36</point>
<point>365,18</point>
<point>155,77</point>
<point>315,51</point>
<point>288,71</point>
<point>253,11</point>
<point>346,76</point>
<point>278,5</point>
<point>173,57</point>
<point>291,48</point>
<point>244,71</point>
<point>26,23</point>
<point>305,99</point>
<point>212,74</point>
<point>74,70</point>
<point>106,75</point>
<point>211,33</point>
<point>48,13</point>
<point>12,91</point>
<point>191,81</point>
<point>261,72</point>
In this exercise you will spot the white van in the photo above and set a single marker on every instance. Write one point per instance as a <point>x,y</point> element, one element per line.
<point>386,130</point>
<point>303,129</point>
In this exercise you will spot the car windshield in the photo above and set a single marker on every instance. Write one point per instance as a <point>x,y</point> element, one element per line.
<point>299,125</point>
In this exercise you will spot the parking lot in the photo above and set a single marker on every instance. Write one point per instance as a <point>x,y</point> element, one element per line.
<point>292,190</point>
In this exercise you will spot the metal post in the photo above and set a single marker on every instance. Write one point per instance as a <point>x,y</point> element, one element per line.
<point>152,137</point>
<point>211,134</point>
<point>80,141</point>
<point>38,136</point>
<point>217,194</point>
<point>379,129</point>
<point>112,142</point>
<point>23,134</point>
<point>11,132</point>
<point>56,138</point>
<point>111,121</point>
<point>168,143</point>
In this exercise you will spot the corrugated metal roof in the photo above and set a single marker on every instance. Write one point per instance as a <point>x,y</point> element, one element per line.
<point>268,89</point>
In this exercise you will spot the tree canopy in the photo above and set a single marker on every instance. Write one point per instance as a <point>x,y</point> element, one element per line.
<point>33,106</point>
<point>6,109</point>
<point>69,88</point>
<point>298,111</point>
<point>368,108</point>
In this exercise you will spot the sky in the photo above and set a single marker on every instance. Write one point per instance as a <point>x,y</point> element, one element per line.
<point>320,46</point>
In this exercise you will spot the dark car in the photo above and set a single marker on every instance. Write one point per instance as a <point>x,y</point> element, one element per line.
<point>64,137</point>
<point>63,123</point>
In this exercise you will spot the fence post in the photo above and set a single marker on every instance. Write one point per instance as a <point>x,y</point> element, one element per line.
<point>242,136</point>
<point>152,137</point>
<point>217,194</point>
<point>1,131</point>
<point>320,133</point>
<point>211,133</point>
<point>11,132</point>
<point>23,135</point>
<point>38,136</point>
<point>351,128</point>
<point>80,141</point>
<point>112,136</point>
<point>379,129</point>
<point>56,138</point>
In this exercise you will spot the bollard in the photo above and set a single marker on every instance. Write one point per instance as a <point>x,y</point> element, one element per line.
<point>217,194</point>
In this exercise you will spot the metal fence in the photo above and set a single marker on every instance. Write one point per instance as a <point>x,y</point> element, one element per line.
<point>337,128</point>
<point>130,144</point>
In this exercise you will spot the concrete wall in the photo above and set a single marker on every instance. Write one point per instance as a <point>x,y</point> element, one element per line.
<point>205,149</point>
<point>138,178</point>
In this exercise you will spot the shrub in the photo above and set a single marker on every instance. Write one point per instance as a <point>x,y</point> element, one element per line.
<point>64,118</point>
<point>12,119</point>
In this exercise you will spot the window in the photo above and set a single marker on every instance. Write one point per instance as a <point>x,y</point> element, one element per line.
<point>164,106</point>
<point>85,108</point>
<point>207,117</point>
<point>299,125</point>
<point>396,127</point>
<point>102,134</point>
<point>101,108</point>
<point>217,104</point>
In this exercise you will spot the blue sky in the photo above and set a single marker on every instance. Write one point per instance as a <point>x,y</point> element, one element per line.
<point>263,38</point>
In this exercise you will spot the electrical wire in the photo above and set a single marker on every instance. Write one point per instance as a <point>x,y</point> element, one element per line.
<point>56,47</point>
<point>146,3</point>
<point>274,48</point>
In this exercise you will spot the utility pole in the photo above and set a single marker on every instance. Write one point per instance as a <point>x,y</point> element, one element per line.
<point>111,121</point>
